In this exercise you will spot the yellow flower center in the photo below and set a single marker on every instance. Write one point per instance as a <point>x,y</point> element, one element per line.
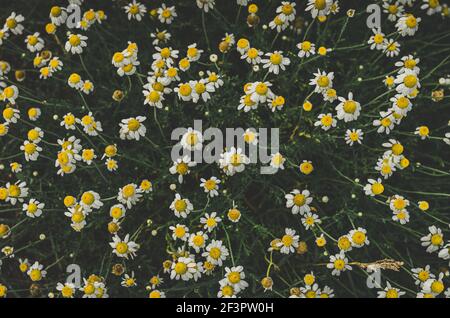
<point>180,205</point>
<point>122,248</point>
<point>180,268</point>
<point>234,277</point>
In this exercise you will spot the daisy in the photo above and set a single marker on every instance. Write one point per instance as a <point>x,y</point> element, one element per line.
<point>408,25</point>
<point>434,286</point>
<point>374,187</point>
<point>75,81</point>
<point>246,103</point>
<point>398,203</point>
<point>166,54</point>
<point>234,215</point>
<point>319,7</point>
<point>181,167</point>
<point>326,121</point>
<point>10,94</point>
<point>117,211</point>
<point>111,164</point>
<point>75,43</point>
<point>298,201</point>
<point>192,140</point>
<point>352,136</point>
<point>36,272</point>
<point>377,40</point>
<point>434,240</point>
<point>185,91</point>
<point>348,109</point>
<point>390,292</point>
<point>132,128</point>
<point>401,104</point>
<point>128,69</point>
<point>35,135</point>
<point>385,166</point>
<point>322,81</point>
<point>210,221</point>
<point>184,268</point>
<point>215,79</point>
<point>306,49</point>
<point>280,23</point>
<point>275,62</point>
<point>339,264</point>
<point>234,276</point>
<point>210,186</point>
<point>444,253</point>
<point>242,45</point>
<point>34,113</point>
<point>166,14</point>
<point>226,290</point>
<point>124,248</point>
<point>181,207</point>
<point>135,10</point>
<point>3,36</point>
<point>67,289</point>
<point>180,232</point>
<point>34,42</point>
<point>15,167</point>
<point>129,195</point>
<point>260,91</point>
<point>407,82</point>
<point>33,208</point>
<point>87,87</point>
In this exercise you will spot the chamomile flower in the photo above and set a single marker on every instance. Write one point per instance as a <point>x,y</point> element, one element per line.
<point>210,186</point>
<point>393,9</point>
<point>192,140</point>
<point>287,10</point>
<point>353,135</point>
<point>319,7</point>
<point>75,43</point>
<point>423,132</point>
<point>160,37</point>
<point>181,207</point>
<point>129,195</point>
<point>156,294</point>
<point>338,263</point>
<point>202,90</point>
<point>132,128</point>
<point>277,161</point>
<point>358,237</point>
<point>326,121</point>
<point>444,253</point>
<point>135,10</point>
<point>128,280</point>
<point>36,272</point>
<point>234,215</point>
<point>90,200</point>
<point>67,290</point>
<point>385,124</point>
<point>401,104</point>
<point>124,248</point>
<point>260,91</point>
<point>242,45</point>
<point>185,91</point>
<point>432,6</point>
<point>215,252</point>
<point>434,240</point>
<point>35,135</point>
<point>298,201</point>
<point>31,150</point>
<point>198,240</point>
<point>246,103</point>
<point>376,41</point>
<point>408,25</point>
<point>215,79</point>
<point>390,292</point>
<point>322,81</point>
<point>34,42</point>
<point>34,113</point>
<point>275,62</point>
<point>15,167</point>
<point>401,216</point>
<point>10,94</point>
<point>374,187</point>
<point>398,203</point>
<point>210,221</point>
<point>234,277</point>
<point>166,14</point>
<point>233,161</point>
<point>279,22</point>
<point>309,220</point>
<point>348,109</point>
<point>69,121</point>
<point>87,87</point>
<point>183,268</point>
<point>193,53</point>
<point>13,23</point>
<point>421,275</point>
<point>434,286</point>
<point>181,167</point>
<point>391,48</point>
<point>252,56</point>
<point>407,82</point>
<point>33,208</point>
<point>408,62</point>
<point>180,232</point>
<point>58,15</point>
<point>117,211</point>
<point>111,164</point>
<point>306,49</point>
